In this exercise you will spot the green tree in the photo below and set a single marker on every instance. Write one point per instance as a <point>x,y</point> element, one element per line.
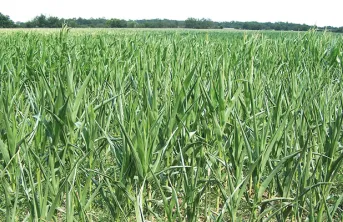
<point>191,23</point>
<point>206,23</point>
<point>203,23</point>
<point>132,24</point>
<point>54,22</point>
<point>117,23</point>
<point>6,22</point>
<point>39,22</point>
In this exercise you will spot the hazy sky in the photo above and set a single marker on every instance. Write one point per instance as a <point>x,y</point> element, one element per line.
<point>321,13</point>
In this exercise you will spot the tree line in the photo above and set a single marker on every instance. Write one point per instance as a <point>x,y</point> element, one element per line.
<point>43,21</point>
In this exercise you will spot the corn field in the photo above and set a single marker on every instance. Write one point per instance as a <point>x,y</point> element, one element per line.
<point>170,125</point>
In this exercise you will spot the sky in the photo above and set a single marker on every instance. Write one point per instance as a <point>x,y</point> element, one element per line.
<point>314,12</point>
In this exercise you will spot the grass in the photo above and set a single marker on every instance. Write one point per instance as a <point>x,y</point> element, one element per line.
<point>142,125</point>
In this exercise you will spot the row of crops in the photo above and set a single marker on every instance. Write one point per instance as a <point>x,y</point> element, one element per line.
<point>145,125</point>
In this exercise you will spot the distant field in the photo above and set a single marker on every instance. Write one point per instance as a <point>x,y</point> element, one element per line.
<point>170,125</point>
<point>141,29</point>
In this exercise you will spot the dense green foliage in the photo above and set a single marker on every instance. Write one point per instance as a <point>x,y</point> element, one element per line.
<point>194,23</point>
<point>6,22</point>
<point>54,22</point>
<point>266,26</point>
<point>127,125</point>
<point>43,21</point>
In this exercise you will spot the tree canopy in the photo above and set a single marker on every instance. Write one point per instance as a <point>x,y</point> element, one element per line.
<point>201,23</point>
<point>43,21</point>
<point>5,21</point>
